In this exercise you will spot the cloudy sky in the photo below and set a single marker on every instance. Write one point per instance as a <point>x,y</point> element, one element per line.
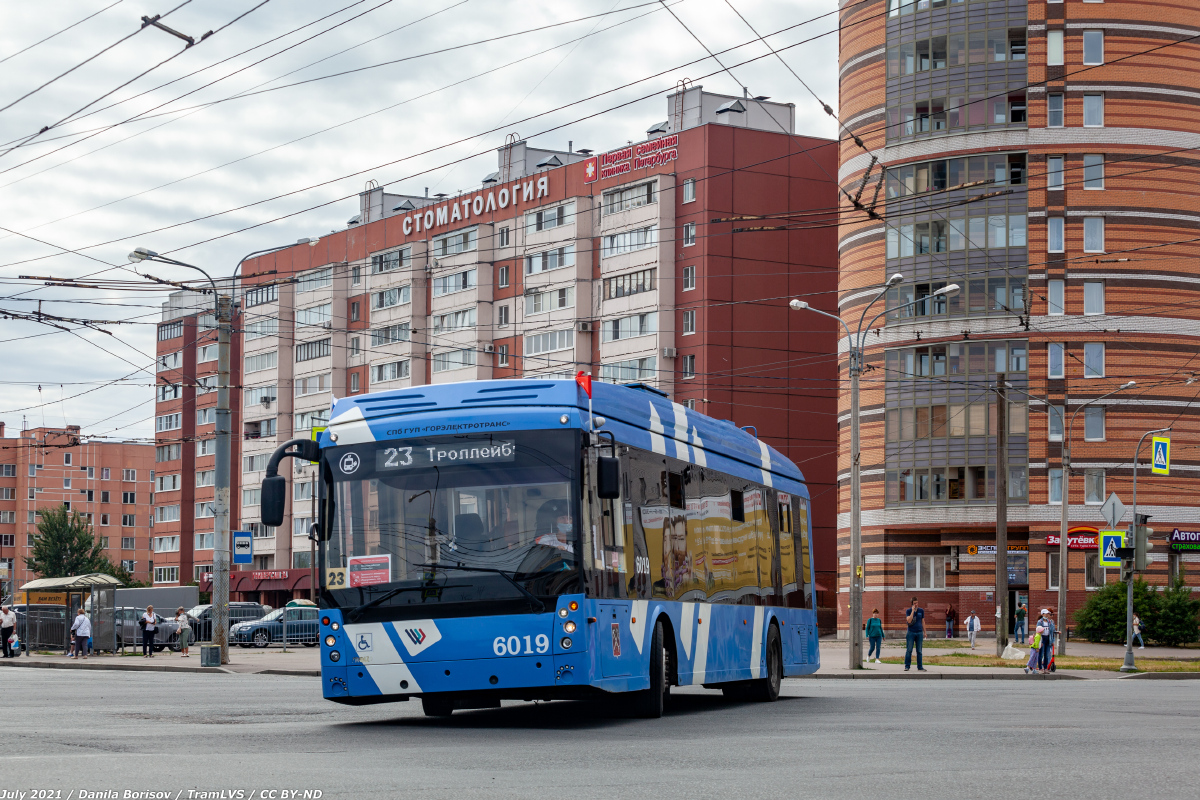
<point>252,137</point>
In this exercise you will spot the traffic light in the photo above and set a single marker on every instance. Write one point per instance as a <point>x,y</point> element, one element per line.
<point>1141,543</point>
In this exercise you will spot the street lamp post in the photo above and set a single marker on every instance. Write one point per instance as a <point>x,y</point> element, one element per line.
<point>1129,665</point>
<point>1066,502</point>
<point>224,318</point>
<point>855,342</point>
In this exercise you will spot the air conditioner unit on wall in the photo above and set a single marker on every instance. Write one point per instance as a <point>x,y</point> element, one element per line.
<point>584,327</point>
<point>327,325</point>
<point>489,348</point>
<point>669,352</point>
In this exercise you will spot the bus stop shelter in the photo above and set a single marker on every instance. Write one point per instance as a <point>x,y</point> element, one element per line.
<point>50,606</point>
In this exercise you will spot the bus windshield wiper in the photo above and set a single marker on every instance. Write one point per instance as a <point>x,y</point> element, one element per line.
<point>355,613</point>
<point>537,604</point>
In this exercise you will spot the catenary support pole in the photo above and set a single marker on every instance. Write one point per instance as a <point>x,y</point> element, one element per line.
<point>856,571</point>
<point>220,598</point>
<point>1001,514</point>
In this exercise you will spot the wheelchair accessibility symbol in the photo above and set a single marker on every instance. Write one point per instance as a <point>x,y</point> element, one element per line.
<point>362,643</point>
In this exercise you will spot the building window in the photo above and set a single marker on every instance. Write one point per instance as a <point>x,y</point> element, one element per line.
<point>628,284</point>
<point>628,241</point>
<point>391,334</point>
<point>260,531</point>
<point>355,346</point>
<point>259,296</point>
<point>307,420</point>
<point>550,260</point>
<point>502,276</point>
<point>260,329</point>
<point>104,497</point>
<point>1093,360</point>
<point>129,498</point>
<point>549,342</point>
<point>67,460</point>
<point>355,276</point>
<point>552,300</point>
<point>502,355</point>
<point>549,218</point>
<point>1093,172</point>
<point>1093,487</point>
<point>206,416</point>
<point>689,190</point>
<point>631,371</point>
<point>204,510</point>
<point>1093,424</point>
<point>8,470</point>
<point>1052,570</point>
<point>449,284</point>
<point>924,572</point>
<point>690,403</point>
<point>128,520</point>
<point>170,391</point>
<point>1054,485</point>
<point>166,574</point>
<point>1054,48</point>
<point>1054,110</point>
<point>170,361</point>
<point>1054,172</point>
<point>1093,47</point>
<point>258,396</point>
<point>387,262</point>
<point>1055,300</point>
<point>354,312</point>
<point>689,322</point>
<point>166,422</point>
<point>1054,359</point>
<point>392,371</point>
<point>170,330</point>
<point>454,359</point>
<point>687,368</point>
<point>631,197</point>
<point>503,238</point>
<point>454,320</point>
<point>309,351</point>
<point>454,243</point>
<point>1093,111</point>
<point>397,296</point>
<point>1055,429</point>
<point>689,278</point>
<point>318,279</point>
<point>66,483</point>
<point>1093,297</point>
<point>629,327</point>
<point>354,388</point>
<point>204,477</point>
<point>251,497</point>
<point>1055,235</point>
<point>689,234</point>
<point>502,316</point>
<point>261,361</point>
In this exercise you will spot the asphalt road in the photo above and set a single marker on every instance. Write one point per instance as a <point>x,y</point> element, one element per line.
<point>118,731</point>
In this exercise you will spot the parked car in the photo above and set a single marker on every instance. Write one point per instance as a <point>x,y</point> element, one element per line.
<point>129,632</point>
<point>302,628</point>
<point>239,611</point>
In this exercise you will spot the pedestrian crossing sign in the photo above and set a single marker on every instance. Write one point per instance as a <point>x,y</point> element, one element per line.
<point>1110,541</point>
<point>1161,463</point>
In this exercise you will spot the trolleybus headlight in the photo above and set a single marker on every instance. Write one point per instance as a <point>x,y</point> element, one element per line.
<point>335,626</point>
<point>335,656</point>
<point>331,640</point>
<point>562,612</point>
<point>568,626</point>
<point>566,643</point>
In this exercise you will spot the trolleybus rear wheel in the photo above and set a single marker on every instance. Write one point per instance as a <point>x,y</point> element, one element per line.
<point>767,689</point>
<point>437,705</point>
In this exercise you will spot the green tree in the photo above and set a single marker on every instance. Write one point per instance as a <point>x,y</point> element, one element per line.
<point>1177,622</point>
<point>65,546</point>
<point>1102,618</point>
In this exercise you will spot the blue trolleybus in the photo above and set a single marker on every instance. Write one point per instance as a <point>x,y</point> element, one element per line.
<point>507,539</point>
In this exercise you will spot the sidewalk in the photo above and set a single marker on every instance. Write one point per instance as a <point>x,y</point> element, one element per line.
<point>267,661</point>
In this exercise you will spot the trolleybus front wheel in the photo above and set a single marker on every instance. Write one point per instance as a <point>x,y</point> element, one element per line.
<point>437,705</point>
<point>649,703</point>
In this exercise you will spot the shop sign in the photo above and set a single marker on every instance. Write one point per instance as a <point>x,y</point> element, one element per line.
<point>36,598</point>
<point>1184,540</point>
<point>1080,541</point>
<point>465,211</point>
<point>623,160</point>
<point>990,549</point>
<point>269,575</point>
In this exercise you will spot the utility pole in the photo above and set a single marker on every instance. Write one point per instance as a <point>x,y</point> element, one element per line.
<point>220,598</point>
<point>1129,665</point>
<point>856,570</point>
<point>1001,514</point>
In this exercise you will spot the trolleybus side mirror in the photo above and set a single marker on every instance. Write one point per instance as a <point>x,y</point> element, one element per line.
<point>608,477</point>
<point>274,493</point>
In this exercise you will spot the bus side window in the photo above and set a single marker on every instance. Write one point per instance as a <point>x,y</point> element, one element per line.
<point>737,506</point>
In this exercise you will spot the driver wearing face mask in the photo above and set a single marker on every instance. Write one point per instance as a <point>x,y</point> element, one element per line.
<point>561,534</point>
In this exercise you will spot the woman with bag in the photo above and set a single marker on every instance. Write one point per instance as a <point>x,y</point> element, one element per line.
<point>148,628</point>
<point>185,631</point>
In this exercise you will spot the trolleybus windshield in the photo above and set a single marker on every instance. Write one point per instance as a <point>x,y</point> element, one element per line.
<point>453,525</point>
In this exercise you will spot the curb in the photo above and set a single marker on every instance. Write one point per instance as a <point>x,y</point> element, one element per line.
<point>950,676</point>
<point>1162,676</point>
<point>154,668</point>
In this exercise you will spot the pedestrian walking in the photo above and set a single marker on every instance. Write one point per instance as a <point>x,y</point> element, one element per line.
<point>951,618</point>
<point>185,631</point>
<point>148,628</point>
<point>82,629</point>
<point>972,624</point>
<point>915,637</point>
<point>1035,646</point>
<point>8,626</point>
<point>1020,629</point>
<point>1046,625</point>
<point>875,636</point>
<point>1137,632</point>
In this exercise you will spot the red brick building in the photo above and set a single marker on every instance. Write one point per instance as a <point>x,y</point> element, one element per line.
<point>109,483</point>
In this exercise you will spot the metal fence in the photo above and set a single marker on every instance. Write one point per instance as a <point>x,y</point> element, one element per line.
<point>46,629</point>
